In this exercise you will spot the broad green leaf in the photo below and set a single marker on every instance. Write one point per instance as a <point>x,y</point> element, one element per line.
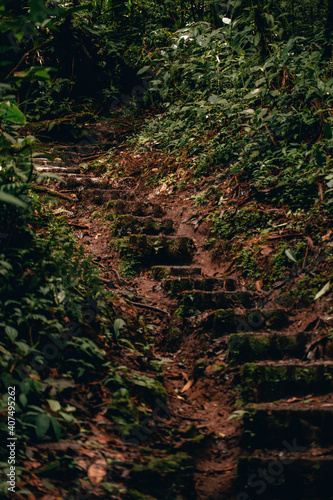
<point>253,93</point>
<point>117,325</point>
<point>323,291</point>
<point>23,346</point>
<point>54,405</point>
<point>327,131</point>
<point>56,428</point>
<point>43,74</point>
<point>23,399</point>
<point>42,424</point>
<point>291,255</point>
<point>61,296</point>
<point>11,332</point>
<point>12,113</point>
<point>9,198</point>
<point>143,70</point>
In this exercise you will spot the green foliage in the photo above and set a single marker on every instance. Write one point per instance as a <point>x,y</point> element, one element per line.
<point>267,120</point>
<point>245,221</point>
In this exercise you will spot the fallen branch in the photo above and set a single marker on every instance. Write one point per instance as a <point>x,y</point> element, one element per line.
<point>146,306</point>
<point>51,192</point>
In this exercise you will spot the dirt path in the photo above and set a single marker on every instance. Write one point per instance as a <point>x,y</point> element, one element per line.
<point>218,341</point>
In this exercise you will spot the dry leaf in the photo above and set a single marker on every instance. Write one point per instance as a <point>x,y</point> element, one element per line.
<point>327,235</point>
<point>323,291</point>
<point>266,250</point>
<point>187,386</point>
<point>97,471</point>
<point>310,242</point>
<point>259,284</point>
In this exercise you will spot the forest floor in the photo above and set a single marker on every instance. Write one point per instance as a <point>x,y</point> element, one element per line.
<point>199,307</point>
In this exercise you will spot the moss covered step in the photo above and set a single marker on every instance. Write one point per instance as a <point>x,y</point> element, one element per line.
<point>268,381</point>
<point>175,286</point>
<point>275,476</point>
<point>161,272</point>
<point>268,425</point>
<point>108,197</point>
<point>202,300</point>
<point>227,321</point>
<point>147,250</point>
<point>74,180</point>
<point>61,171</point>
<point>124,225</point>
<point>138,208</point>
<point>247,347</point>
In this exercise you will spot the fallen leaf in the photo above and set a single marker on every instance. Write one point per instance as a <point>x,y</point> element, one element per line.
<point>259,284</point>
<point>266,250</point>
<point>327,235</point>
<point>323,290</point>
<point>187,386</point>
<point>290,254</point>
<point>97,471</point>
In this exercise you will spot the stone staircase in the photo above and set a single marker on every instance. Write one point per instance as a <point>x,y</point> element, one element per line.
<point>287,433</point>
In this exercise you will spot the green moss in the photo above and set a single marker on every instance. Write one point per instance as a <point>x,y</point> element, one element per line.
<point>269,382</point>
<point>247,347</point>
<point>169,463</point>
<point>304,292</point>
<point>247,261</point>
<point>224,322</point>
<point>165,476</point>
<point>177,285</point>
<point>160,273</point>
<point>136,495</point>
<point>137,251</point>
<point>246,221</point>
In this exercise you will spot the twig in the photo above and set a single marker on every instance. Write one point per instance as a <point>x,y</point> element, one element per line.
<point>26,54</point>
<point>146,306</point>
<point>51,192</point>
<point>78,226</point>
<point>270,135</point>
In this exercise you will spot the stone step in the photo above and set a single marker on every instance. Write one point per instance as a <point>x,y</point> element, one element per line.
<point>75,181</point>
<point>58,170</point>
<point>267,425</point>
<point>275,476</point>
<point>46,162</point>
<point>175,286</point>
<point>202,300</point>
<point>139,208</point>
<point>248,347</point>
<point>161,272</point>
<point>124,225</point>
<point>270,381</point>
<point>147,250</point>
<point>108,197</point>
<point>227,321</point>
